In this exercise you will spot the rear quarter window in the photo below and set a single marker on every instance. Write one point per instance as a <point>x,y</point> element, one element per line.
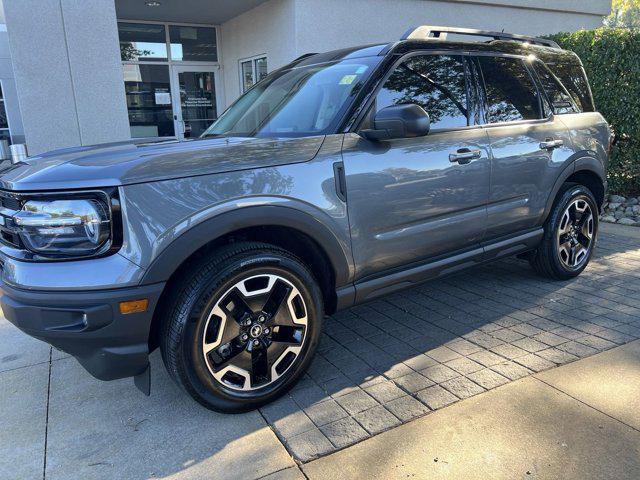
<point>575,81</point>
<point>558,100</point>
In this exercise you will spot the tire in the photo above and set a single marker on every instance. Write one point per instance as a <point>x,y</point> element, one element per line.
<point>557,257</point>
<point>256,310</point>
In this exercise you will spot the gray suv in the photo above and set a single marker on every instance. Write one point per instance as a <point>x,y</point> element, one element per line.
<point>339,178</point>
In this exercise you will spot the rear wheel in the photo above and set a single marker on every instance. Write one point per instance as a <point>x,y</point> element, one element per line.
<point>243,327</point>
<point>570,235</point>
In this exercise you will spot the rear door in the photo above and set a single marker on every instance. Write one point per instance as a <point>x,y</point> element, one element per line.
<point>410,199</point>
<point>530,146</point>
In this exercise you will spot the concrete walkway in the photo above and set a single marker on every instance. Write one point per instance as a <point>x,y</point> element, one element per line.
<point>57,422</point>
<point>577,421</point>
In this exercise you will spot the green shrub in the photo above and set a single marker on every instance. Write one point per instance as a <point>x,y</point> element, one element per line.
<point>611,58</point>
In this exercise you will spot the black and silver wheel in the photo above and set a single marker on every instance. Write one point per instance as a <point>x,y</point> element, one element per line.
<point>574,235</point>
<point>243,328</point>
<point>570,235</point>
<point>254,332</point>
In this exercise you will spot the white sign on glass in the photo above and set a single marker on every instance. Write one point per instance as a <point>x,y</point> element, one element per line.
<point>163,98</point>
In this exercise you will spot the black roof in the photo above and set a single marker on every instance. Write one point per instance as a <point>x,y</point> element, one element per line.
<point>546,54</point>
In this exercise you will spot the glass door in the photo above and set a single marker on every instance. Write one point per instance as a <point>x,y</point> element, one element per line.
<point>196,99</point>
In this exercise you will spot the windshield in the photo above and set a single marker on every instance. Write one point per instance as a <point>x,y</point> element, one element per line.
<point>302,101</point>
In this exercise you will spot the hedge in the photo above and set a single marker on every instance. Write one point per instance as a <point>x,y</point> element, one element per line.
<point>611,58</point>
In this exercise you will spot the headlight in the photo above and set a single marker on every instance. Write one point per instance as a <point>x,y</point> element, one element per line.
<point>69,227</point>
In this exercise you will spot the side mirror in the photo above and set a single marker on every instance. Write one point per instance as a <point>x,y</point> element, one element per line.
<point>399,121</point>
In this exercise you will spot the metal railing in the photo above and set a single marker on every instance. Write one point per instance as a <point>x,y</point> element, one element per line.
<point>425,32</point>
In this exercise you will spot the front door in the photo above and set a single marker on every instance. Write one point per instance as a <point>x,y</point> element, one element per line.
<point>413,199</point>
<point>196,99</point>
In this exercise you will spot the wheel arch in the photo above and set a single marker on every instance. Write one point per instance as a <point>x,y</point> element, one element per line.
<point>208,231</point>
<point>286,227</point>
<point>587,171</point>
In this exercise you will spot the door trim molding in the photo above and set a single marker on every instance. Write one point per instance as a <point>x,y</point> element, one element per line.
<point>413,274</point>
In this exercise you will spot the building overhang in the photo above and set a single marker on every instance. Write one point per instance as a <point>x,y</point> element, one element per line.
<point>184,11</point>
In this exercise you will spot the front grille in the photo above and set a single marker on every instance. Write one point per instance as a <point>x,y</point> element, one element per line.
<point>9,204</point>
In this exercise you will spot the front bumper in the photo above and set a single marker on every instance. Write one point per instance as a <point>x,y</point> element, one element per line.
<point>87,325</point>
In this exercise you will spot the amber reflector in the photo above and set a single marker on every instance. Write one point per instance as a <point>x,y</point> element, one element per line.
<point>134,306</point>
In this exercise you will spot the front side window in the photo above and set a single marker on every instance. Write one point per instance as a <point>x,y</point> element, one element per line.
<point>558,97</point>
<point>510,92</point>
<point>301,101</point>
<point>436,83</point>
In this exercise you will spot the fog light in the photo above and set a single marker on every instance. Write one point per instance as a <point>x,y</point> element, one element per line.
<point>134,306</point>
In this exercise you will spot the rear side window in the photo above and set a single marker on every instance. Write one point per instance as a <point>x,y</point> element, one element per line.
<point>575,81</point>
<point>436,83</point>
<point>559,100</point>
<point>511,94</point>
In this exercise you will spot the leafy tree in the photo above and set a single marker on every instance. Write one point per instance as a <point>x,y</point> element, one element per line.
<point>611,58</point>
<point>624,14</point>
<point>129,52</point>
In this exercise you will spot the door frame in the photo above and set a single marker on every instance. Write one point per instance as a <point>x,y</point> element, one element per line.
<point>176,106</point>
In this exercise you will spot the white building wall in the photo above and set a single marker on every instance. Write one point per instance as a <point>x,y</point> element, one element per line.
<point>330,24</point>
<point>596,7</point>
<point>68,72</point>
<point>266,29</point>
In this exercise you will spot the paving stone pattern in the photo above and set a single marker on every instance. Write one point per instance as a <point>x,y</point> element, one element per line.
<point>402,356</point>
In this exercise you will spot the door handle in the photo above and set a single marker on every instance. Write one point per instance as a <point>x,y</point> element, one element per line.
<point>550,144</point>
<point>464,156</point>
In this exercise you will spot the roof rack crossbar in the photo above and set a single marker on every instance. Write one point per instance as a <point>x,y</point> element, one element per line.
<point>424,32</point>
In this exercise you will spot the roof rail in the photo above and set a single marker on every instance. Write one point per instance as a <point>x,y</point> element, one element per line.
<point>303,56</point>
<point>425,32</point>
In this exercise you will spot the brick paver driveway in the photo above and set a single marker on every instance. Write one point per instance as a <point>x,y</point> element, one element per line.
<point>394,359</point>
<point>378,365</point>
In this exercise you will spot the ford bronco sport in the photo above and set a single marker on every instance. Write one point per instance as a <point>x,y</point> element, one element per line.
<point>340,177</point>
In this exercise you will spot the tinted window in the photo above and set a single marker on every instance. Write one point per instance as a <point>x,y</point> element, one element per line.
<point>435,82</point>
<point>510,91</point>
<point>575,81</point>
<point>193,43</point>
<point>556,94</point>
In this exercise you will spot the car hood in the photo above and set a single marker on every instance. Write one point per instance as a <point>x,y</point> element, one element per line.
<point>130,162</point>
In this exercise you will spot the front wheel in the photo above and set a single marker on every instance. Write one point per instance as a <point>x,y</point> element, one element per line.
<point>243,327</point>
<point>570,235</point>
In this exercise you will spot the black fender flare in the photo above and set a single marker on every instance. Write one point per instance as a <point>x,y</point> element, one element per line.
<point>585,163</point>
<point>170,259</point>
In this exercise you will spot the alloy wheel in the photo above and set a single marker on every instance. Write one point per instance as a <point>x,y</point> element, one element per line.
<point>255,332</point>
<point>575,234</point>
